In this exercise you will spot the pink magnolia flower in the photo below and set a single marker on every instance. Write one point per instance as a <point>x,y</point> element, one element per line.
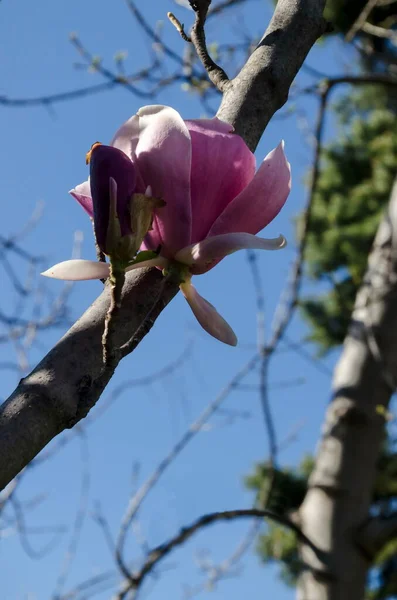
<point>215,201</point>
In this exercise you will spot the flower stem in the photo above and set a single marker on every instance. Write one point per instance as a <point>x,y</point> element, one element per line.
<point>116,278</point>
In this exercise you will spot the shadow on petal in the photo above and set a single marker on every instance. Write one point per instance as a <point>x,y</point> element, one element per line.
<point>261,201</point>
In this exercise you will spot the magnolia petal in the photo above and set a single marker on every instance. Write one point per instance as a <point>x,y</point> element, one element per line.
<point>206,254</point>
<point>259,203</point>
<point>213,124</point>
<point>83,270</point>
<point>164,160</point>
<point>109,164</point>
<point>160,261</point>
<point>208,316</point>
<point>222,166</point>
<point>78,270</point>
<point>82,193</point>
<point>126,137</point>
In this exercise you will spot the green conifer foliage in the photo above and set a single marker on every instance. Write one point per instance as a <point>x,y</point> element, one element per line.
<point>278,544</point>
<point>357,173</point>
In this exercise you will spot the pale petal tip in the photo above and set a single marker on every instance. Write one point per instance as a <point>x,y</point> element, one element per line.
<point>281,241</point>
<point>207,315</point>
<point>78,270</point>
<point>280,149</point>
<point>46,273</point>
<point>150,110</point>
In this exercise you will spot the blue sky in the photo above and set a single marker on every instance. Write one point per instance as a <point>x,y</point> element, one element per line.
<point>42,158</point>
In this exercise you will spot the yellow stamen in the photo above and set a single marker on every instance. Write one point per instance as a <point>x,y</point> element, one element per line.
<point>88,155</point>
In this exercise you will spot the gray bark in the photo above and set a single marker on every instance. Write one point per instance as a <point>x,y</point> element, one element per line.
<point>67,382</point>
<point>335,511</point>
<point>262,86</point>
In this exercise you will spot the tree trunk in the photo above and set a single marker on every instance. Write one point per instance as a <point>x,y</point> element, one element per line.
<point>336,507</point>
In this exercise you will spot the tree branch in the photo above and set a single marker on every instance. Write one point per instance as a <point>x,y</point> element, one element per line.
<point>340,488</point>
<point>157,554</point>
<point>217,75</point>
<point>376,533</point>
<point>262,85</point>
<point>68,381</point>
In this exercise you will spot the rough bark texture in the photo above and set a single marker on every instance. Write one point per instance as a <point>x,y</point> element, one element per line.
<point>65,385</point>
<point>262,86</point>
<point>337,504</point>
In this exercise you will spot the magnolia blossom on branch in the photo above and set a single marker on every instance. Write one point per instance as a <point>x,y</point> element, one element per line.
<point>214,203</point>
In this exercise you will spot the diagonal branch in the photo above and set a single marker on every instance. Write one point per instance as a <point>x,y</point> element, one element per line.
<point>69,380</point>
<point>263,84</point>
<point>376,533</point>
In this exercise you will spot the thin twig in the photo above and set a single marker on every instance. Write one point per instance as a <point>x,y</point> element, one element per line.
<point>215,73</point>
<point>61,97</point>
<point>157,554</point>
<point>136,501</point>
<point>178,26</point>
<point>79,520</point>
<point>151,33</point>
<point>111,77</point>
<point>359,22</point>
<point>380,32</point>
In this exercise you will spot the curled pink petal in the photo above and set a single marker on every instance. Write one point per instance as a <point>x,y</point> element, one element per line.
<point>82,193</point>
<point>78,270</point>
<point>263,198</point>
<point>164,160</point>
<point>208,316</point>
<point>126,137</point>
<point>222,166</point>
<point>206,254</point>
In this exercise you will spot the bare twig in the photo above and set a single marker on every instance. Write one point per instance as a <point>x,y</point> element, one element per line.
<point>111,77</point>
<point>78,521</point>
<point>151,33</point>
<point>49,99</point>
<point>215,73</point>
<point>157,554</point>
<point>24,531</point>
<point>178,26</point>
<point>222,6</point>
<point>136,501</point>
<point>359,22</point>
<point>376,533</point>
<point>380,32</point>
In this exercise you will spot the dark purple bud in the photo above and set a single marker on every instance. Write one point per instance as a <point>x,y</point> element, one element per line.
<point>107,163</point>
